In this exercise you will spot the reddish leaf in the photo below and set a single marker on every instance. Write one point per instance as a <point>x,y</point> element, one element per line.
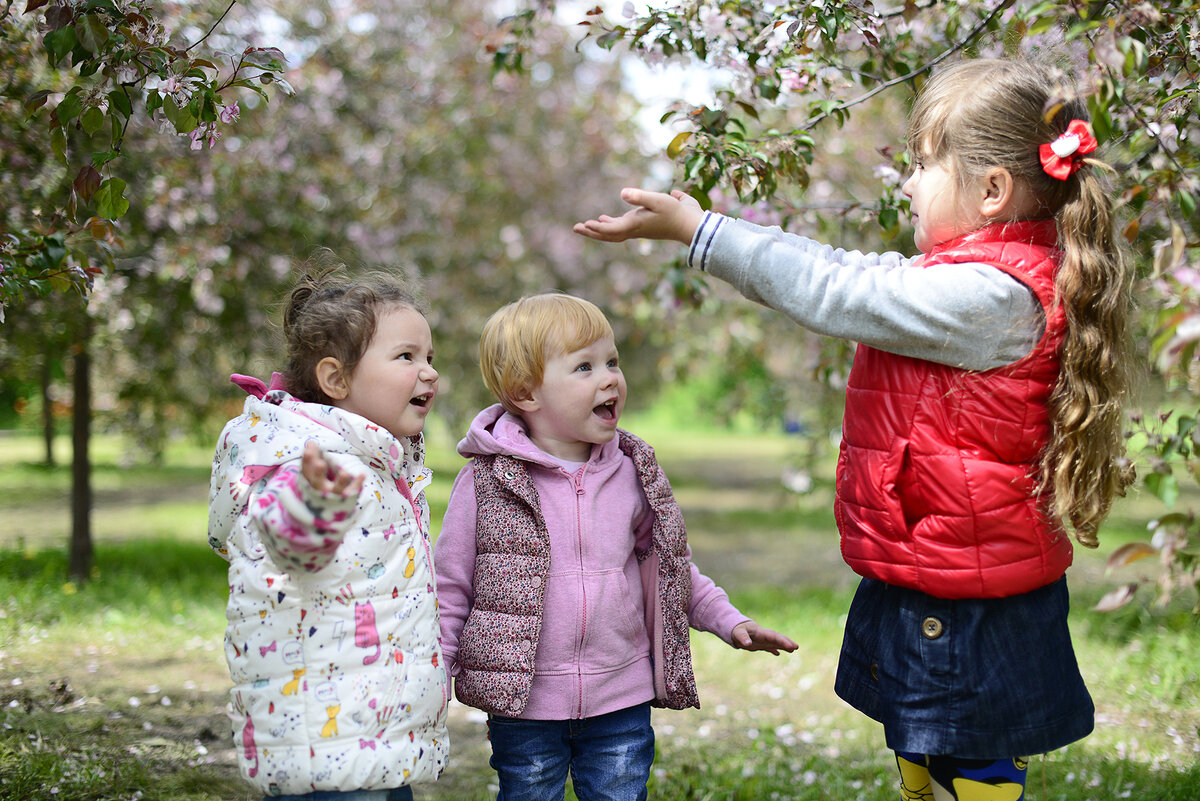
<point>34,5</point>
<point>1127,554</point>
<point>58,17</point>
<point>36,101</point>
<point>102,230</point>
<point>1116,598</point>
<point>87,182</point>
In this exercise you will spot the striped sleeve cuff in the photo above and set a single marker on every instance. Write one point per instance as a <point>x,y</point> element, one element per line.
<point>702,241</point>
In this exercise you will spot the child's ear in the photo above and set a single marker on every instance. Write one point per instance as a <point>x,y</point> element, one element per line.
<point>332,378</point>
<point>526,401</point>
<point>999,192</point>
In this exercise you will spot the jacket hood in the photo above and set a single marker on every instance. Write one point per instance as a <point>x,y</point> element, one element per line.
<point>273,430</point>
<point>495,432</point>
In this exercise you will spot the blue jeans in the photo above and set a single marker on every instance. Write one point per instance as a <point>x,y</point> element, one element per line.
<point>398,794</point>
<point>608,756</point>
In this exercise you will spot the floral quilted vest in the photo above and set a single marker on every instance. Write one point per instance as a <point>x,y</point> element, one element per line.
<point>509,593</point>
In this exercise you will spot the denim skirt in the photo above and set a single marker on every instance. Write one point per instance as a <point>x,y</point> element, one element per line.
<point>979,679</point>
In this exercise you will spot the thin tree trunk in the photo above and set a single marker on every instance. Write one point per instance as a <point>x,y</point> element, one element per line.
<point>47,412</point>
<point>80,559</point>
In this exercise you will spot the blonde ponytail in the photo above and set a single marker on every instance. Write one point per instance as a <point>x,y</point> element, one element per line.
<point>1083,464</point>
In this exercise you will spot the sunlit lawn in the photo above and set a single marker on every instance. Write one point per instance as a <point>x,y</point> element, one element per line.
<point>116,689</point>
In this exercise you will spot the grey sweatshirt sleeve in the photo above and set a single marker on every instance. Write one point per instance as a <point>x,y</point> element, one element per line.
<point>968,315</point>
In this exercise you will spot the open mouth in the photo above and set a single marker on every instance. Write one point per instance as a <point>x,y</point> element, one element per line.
<point>607,411</point>
<point>422,400</point>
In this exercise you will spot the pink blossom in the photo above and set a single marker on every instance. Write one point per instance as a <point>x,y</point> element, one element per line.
<point>794,80</point>
<point>1188,276</point>
<point>172,85</point>
<point>230,113</point>
<point>209,132</point>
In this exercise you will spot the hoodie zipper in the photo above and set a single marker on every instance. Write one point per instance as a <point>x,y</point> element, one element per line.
<point>577,482</point>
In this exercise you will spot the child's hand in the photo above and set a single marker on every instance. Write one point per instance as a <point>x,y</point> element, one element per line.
<point>750,636</point>
<point>655,216</point>
<point>324,476</point>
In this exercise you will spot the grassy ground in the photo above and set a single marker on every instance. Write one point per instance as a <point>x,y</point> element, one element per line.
<point>116,690</point>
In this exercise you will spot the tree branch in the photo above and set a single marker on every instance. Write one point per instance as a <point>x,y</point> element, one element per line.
<point>1004,4</point>
<point>900,11</point>
<point>197,43</point>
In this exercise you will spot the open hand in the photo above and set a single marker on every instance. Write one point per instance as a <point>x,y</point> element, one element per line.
<point>655,216</point>
<point>749,636</point>
<point>325,476</point>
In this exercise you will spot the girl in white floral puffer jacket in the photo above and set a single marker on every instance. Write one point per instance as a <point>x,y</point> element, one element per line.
<point>318,505</point>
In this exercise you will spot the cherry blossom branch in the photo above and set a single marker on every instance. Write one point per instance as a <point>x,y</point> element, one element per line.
<point>197,43</point>
<point>1004,4</point>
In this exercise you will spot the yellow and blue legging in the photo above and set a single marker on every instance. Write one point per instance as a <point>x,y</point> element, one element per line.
<point>946,778</point>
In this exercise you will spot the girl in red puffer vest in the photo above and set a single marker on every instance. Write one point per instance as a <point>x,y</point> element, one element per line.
<point>983,417</point>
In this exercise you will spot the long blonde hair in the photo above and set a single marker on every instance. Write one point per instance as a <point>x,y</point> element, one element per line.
<point>978,114</point>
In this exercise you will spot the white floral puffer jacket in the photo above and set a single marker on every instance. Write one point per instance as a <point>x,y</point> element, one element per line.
<point>332,637</point>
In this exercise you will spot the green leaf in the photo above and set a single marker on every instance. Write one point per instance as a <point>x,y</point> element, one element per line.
<point>59,43</point>
<point>181,118</point>
<point>58,143</point>
<point>154,101</point>
<point>676,146</point>
<point>120,103</point>
<point>1187,202</point>
<point>1165,487</point>
<point>889,221</point>
<point>91,32</point>
<point>92,120</point>
<point>68,108</point>
<point>110,199</point>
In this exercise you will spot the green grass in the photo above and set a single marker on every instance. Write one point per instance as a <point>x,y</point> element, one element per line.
<point>116,689</point>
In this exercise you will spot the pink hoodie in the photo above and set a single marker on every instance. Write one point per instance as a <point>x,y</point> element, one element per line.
<point>593,655</point>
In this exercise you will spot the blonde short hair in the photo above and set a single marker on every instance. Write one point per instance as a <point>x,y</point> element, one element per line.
<point>519,338</point>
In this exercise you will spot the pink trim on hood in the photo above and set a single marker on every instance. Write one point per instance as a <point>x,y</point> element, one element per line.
<point>255,386</point>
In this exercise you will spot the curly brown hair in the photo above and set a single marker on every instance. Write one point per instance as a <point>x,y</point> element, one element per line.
<point>332,312</point>
<point>982,113</point>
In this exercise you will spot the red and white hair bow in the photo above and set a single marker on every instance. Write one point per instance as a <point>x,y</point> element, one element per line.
<point>1062,157</point>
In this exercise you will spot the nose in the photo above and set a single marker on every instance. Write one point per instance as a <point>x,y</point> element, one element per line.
<point>428,373</point>
<point>611,377</point>
<point>906,187</point>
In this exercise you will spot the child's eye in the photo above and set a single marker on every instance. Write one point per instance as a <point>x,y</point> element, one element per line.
<point>612,363</point>
<point>585,367</point>
<point>406,355</point>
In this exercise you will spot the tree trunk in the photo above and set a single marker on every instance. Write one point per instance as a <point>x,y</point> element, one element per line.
<point>47,412</point>
<point>80,559</point>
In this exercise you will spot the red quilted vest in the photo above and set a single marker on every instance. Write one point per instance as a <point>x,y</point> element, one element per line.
<point>938,465</point>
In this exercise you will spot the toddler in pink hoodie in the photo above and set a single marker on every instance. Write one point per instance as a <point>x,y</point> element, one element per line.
<point>565,581</point>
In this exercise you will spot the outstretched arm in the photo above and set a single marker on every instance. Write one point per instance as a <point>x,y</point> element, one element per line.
<point>655,216</point>
<point>750,636</point>
<point>326,477</point>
